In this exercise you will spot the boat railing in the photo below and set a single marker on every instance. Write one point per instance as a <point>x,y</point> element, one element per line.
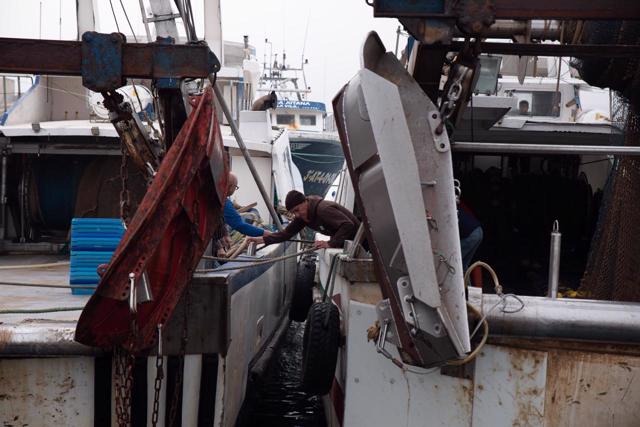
<point>13,86</point>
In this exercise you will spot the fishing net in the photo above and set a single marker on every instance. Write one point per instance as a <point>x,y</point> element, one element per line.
<point>613,267</point>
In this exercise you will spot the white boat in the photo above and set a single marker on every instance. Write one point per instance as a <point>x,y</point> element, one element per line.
<point>315,147</point>
<point>542,361</point>
<point>60,160</point>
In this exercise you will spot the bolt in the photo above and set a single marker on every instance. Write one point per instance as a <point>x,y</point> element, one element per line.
<point>392,381</point>
<point>358,312</point>
<point>357,380</point>
<point>434,116</point>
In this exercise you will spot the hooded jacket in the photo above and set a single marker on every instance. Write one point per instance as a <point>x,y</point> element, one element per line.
<point>325,217</point>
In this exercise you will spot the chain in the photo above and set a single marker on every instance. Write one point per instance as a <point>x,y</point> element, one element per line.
<point>124,377</point>
<point>125,196</point>
<point>183,346</point>
<point>157,385</point>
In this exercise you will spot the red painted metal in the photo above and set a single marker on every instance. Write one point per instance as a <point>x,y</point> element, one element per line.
<point>166,238</point>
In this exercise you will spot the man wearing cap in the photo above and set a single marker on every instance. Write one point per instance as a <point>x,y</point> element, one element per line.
<point>321,215</point>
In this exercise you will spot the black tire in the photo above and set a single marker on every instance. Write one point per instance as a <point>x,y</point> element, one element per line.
<point>320,348</point>
<point>302,291</point>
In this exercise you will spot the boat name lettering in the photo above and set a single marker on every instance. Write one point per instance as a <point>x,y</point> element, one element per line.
<point>320,177</point>
<point>303,105</point>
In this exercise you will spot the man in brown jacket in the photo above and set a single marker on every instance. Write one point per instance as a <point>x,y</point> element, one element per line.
<point>323,216</point>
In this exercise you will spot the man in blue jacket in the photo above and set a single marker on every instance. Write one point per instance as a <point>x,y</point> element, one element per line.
<point>233,218</point>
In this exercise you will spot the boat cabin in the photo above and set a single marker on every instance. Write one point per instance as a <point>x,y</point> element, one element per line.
<point>299,115</point>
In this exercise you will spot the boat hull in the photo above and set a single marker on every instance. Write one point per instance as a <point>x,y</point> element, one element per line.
<point>47,378</point>
<point>319,159</point>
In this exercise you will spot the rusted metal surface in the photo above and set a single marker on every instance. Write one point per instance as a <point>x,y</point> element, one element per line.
<point>545,344</point>
<point>102,61</point>
<point>357,270</point>
<point>539,49</point>
<point>509,387</point>
<point>47,392</point>
<point>166,238</point>
<point>378,393</point>
<point>139,60</point>
<point>588,389</point>
<point>521,9</point>
<point>567,9</point>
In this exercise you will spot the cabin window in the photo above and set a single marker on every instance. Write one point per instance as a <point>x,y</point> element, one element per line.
<point>285,119</point>
<point>538,103</point>
<point>307,120</point>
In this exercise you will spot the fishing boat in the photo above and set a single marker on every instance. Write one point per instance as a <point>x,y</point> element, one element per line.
<point>315,149</point>
<point>62,162</point>
<point>417,342</point>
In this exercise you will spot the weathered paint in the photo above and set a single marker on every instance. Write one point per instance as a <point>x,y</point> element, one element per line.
<point>256,310</point>
<point>589,389</point>
<point>47,392</point>
<point>515,380</point>
<point>509,387</point>
<point>378,393</point>
<point>173,225</point>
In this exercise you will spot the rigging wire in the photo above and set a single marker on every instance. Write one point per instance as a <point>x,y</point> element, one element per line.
<point>114,15</point>
<point>133,33</point>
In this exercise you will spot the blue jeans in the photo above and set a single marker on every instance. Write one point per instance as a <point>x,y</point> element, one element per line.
<point>468,247</point>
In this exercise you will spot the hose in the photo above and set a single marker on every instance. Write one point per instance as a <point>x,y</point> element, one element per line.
<point>46,285</point>
<point>51,264</point>
<point>41,310</point>
<point>485,335</point>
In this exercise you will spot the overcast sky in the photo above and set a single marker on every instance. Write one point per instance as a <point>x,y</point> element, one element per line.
<point>330,32</point>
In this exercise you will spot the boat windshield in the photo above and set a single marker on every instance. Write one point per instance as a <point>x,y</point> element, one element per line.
<point>536,103</point>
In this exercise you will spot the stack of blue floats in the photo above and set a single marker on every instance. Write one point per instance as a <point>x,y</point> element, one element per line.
<point>93,241</point>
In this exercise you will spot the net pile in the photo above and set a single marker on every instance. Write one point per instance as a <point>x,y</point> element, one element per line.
<point>613,267</point>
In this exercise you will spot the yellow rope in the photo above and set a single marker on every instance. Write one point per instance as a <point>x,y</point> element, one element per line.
<point>485,335</point>
<point>48,265</point>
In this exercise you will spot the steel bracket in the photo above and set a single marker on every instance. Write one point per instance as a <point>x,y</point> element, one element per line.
<point>161,61</point>
<point>385,316</point>
<point>416,314</point>
<point>101,65</point>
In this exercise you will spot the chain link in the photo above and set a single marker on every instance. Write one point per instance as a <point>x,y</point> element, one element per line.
<point>157,385</point>
<point>124,377</point>
<point>125,196</point>
<point>183,347</point>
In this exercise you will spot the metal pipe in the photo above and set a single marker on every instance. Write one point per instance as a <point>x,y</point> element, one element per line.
<point>245,153</point>
<point>4,93</point>
<point>544,49</point>
<point>554,261</point>
<point>507,28</point>
<point>3,197</point>
<point>505,148</point>
<point>143,12</point>
<point>22,194</point>
<point>563,318</point>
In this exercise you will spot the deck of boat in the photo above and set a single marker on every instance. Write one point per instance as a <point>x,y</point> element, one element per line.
<point>24,332</point>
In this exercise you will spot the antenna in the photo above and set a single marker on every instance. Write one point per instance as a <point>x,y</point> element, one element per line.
<point>40,25</point>
<point>60,20</point>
